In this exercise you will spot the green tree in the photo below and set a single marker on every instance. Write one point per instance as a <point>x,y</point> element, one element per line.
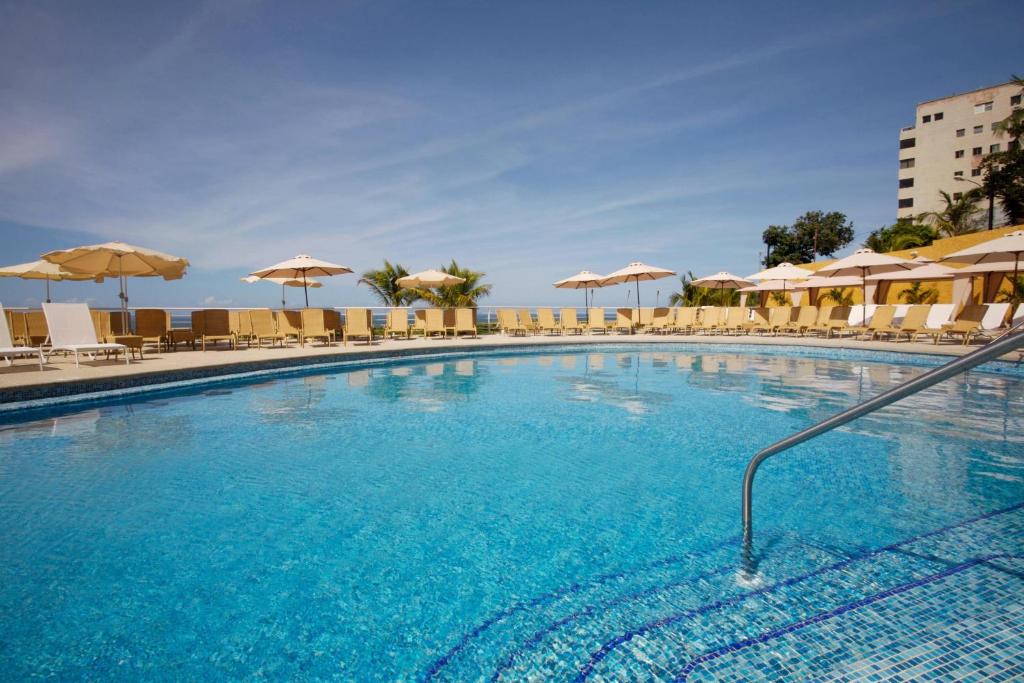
<point>838,296</point>
<point>383,284</point>
<point>903,234</point>
<point>814,234</point>
<point>1004,171</point>
<point>918,294</point>
<point>957,217</point>
<point>463,295</point>
<point>689,295</point>
<point>781,298</point>
<point>1016,294</point>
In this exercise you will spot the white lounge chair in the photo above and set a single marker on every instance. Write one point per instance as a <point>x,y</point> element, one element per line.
<point>71,329</point>
<point>7,348</point>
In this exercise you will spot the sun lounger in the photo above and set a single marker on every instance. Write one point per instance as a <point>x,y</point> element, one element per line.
<point>397,323</point>
<point>778,318</point>
<point>596,321</point>
<point>8,351</point>
<point>624,320</point>
<point>966,325</point>
<point>646,318</point>
<point>465,322</point>
<point>434,322</point>
<point>152,324</point>
<point>735,317</point>
<point>546,321</point>
<point>880,319</point>
<point>36,328</point>
<point>289,323</point>
<point>1018,317</point>
<point>710,319</point>
<point>526,321</point>
<point>214,325</point>
<point>314,326</point>
<point>264,327</point>
<point>419,321</point>
<point>757,321</point>
<point>802,319</point>
<point>509,323</point>
<point>824,313</point>
<point>359,325</point>
<point>911,325</point>
<point>71,329</point>
<point>661,320</point>
<point>569,322</point>
<point>16,325</point>
<point>686,320</point>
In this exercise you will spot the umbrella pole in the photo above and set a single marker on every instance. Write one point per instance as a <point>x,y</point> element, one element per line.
<point>864,296</point>
<point>636,323</point>
<point>283,304</point>
<point>305,289</point>
<point>1013,285</point>
<point>47,290</point>
<point>124,294</point>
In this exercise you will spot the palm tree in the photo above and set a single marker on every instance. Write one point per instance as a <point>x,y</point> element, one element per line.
<point>688,295</point>
<point>839,296</point>
<point>463,295</point>
<point>958,217</point>
<point>780,298</point>
<point>1016,294</point>
<point>916,294</point>
<point>383,285</point>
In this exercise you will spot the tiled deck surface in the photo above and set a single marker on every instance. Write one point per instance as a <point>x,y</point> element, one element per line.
<point>60,373</point>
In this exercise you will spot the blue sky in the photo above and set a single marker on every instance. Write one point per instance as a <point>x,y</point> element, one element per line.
<point>528,140</point>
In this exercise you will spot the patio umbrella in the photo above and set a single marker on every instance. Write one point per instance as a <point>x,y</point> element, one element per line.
<point>284,282</point>
<point>929,270</point>
<point>429,279</point>
<point>43,270</point>
<point>584,280</point>
<point>301,267</point>
<point>864,262</point>
<point>111,259</point>
<point>636,271</point>
<point>784,272</point>
<point>998,253</point>
<point>721,280</point>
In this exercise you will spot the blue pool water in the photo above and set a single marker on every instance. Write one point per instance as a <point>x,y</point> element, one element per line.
<point>533,516</point>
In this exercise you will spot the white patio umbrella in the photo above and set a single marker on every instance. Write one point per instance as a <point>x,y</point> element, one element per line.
<point>784,272</point>
<point>862,263</point>
<point>636,272</point>
<point>302,267</point>
<point>585,280</point>
<point>998,253</point>
<point>430,279</point>
<point>117,259</point>
<point>43,270</point>
<point>929,270</point>
<point>284,282</point>
<point>722,280</point>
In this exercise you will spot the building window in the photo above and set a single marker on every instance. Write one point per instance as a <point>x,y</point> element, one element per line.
<point>976,151</point>
<point>938,116</point>
<point>979,129</point>
<point>958,174</point>
<point>1014,100</point>
<point>906,163</point>
<point>960,132</point>
<point>995,126</point>
<point>975,172</point>
<point>907,203</point>
<point>982,107</point>
<point>959,154</point>
<point>957,196</point>
<point>906,182</point>
<point>992,149</point>
<point>926,118</point>
<point>906,143</point>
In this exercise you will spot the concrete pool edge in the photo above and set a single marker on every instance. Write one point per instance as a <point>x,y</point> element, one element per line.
<point>18,399</point>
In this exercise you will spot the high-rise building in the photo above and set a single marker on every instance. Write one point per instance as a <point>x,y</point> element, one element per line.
<point>944,148</point>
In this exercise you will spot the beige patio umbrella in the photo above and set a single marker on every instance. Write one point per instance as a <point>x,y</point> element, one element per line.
<point>301,267</point>
<point>585,280</point>
<point>862,263</point>
<point>721,281</point>
<point>117,259</point>
<point>997,254</point>
<point>429,279</point>
<point>636,272</point>
<point>784,272</point>
<point>284,282</point>
<point>43,270</point>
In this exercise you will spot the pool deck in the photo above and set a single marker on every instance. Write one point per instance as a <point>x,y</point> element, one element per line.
<point>24,380</point>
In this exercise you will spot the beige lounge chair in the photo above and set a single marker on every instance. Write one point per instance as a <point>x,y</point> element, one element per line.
<point>526,321</point>
<point>596,321</point>
<point>419,322</point>
<point>710,319</point>
<point>733,322</point>
<point>16,325</point>
<point>314,326</point>
<point>569,322</point>
<point>8,350</point>
<point>213,325</point>
<point>153,325</point>
<point>434,322</point>
<point>661,320</point>
<point>397,323</point>
<point>264,328</point>
<point>967,324</point>
<point>686,320</point>
<point>509,324</point>
<point>625,320</point>
<point>72,330</point>
<point>646,318</point>
<point>881,319</point>
<point>36,330</point>
<point>911,325</point>
<point>838,321</point>
<point>289,323</point>
<point>819,321</point>
<point>359,325</point>
<point>465,322</point>
<point>546,321</point>
<point>802,319</point>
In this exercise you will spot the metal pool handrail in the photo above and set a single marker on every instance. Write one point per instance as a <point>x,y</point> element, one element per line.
<point>1005,343</point>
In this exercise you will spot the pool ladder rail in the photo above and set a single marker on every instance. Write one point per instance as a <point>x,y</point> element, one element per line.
<point>1005,343</point>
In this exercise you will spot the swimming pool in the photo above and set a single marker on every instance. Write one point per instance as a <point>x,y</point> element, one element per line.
<point>545,515</point>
